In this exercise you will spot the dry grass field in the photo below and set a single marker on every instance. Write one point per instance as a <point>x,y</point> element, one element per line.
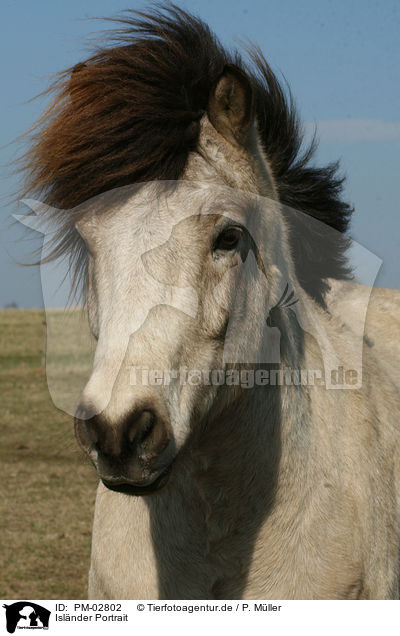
<point>47,487</point>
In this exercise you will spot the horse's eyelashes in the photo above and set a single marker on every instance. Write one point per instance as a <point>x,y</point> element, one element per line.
<point>228,239</point>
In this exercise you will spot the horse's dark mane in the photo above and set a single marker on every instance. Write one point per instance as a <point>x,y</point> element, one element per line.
<point>131,114</point>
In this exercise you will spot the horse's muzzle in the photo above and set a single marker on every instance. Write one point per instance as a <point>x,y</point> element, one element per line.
<point>133,455</point>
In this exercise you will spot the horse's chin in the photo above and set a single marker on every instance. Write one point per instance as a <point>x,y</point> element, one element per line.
<point>138,490</point>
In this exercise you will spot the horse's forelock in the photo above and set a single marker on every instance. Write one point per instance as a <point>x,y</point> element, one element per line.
<point>131,112</point>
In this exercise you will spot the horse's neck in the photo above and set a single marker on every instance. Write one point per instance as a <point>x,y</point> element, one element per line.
<point>239,461</point>
<point>252,440</point>
<point>246,466</point>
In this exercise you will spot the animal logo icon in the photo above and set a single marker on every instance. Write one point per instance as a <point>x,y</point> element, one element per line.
<point>251,337</point>
<point>26,615</point>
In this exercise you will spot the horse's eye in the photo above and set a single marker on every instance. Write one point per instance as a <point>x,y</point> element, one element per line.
<point>228,239</point>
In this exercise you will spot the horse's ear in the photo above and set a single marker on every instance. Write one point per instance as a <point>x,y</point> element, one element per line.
<point>230,107</point>
<point>75,79</point>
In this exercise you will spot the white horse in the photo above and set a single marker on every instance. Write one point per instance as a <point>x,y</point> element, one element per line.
<point>215,489</point>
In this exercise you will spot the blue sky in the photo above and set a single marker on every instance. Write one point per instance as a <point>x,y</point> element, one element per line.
<point>341,60</point>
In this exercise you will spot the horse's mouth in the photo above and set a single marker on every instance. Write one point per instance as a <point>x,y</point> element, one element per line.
<point>136,489</point>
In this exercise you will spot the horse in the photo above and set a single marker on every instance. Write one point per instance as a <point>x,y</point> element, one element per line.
<point>172,166</point>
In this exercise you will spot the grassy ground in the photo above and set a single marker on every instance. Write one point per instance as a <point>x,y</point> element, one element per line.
<point>47,487</point>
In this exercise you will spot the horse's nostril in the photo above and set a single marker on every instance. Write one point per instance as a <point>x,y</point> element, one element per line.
<point>148,434</point>
<point>142,428</point>
<point>86,432</point>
